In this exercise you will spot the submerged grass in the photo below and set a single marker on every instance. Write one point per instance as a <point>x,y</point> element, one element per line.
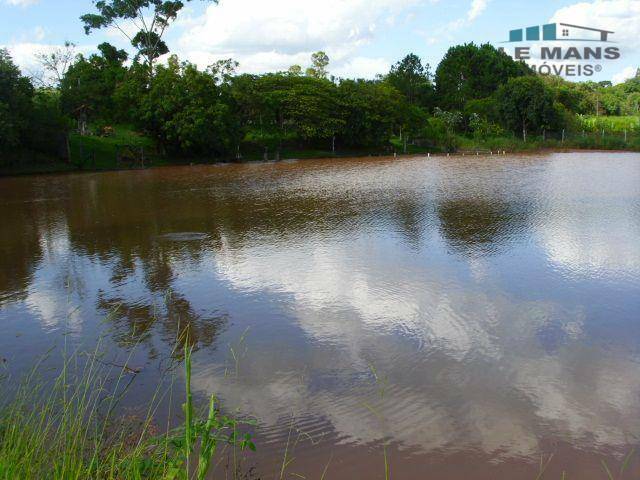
<point>66,429</point>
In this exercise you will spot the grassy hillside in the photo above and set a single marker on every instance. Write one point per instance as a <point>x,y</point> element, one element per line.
<point>96,152</point>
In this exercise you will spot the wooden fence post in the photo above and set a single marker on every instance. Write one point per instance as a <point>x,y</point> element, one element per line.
<point>67,145</point>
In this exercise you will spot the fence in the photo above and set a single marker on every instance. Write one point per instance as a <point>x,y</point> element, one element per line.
<point>97,156</point>
<point>589,139</point>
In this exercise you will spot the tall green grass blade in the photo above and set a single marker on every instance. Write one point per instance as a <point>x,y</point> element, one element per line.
<point>607,471</point>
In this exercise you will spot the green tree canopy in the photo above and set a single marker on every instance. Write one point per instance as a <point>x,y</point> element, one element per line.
<point>30,119</point>
<point>371,112</point>
<point>413,79</point>
<point>526,104</point>
<point>319,64</point>
<point>16,94</point>
<point>295,70</point>
<point>282,107</point>
<point>189,112</point>
<point>88,87</point>
<point>469,72</point>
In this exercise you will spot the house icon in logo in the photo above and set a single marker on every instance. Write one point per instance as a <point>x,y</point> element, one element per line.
<point>559,32</point>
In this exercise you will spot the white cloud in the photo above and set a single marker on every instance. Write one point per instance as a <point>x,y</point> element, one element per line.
<point>21,3</point>
<point>362,67</point>
<point>258,62</point>
<point>24,54</point>
<point>619,16</point>
<point>476,9</point>
<point>625,74</point>
<point>39,33</point>
<point>274,35</point>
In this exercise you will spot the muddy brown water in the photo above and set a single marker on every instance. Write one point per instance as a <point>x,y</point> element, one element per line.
<point>466,317</point>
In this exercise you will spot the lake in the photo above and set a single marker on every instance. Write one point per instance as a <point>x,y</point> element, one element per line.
<point>466,317</point>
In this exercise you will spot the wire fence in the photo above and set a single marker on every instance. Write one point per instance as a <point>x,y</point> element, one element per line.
<point>85,154</point>
<point>604,139</point>
<point>131,156</point>
<point>119,156</point>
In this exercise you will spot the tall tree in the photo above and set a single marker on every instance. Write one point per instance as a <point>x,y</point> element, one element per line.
<point>413,79</point>
<point>189,111</point>
<point>319,63</point>
<point>30,120</point>
<point>527,104</point>
<point>295,70</point>
<point>56,63</point>
<point>370,110</point>
<point>470,72</point>
<point>151,18</point>
<point>16,94</point>
<point>88,87</point>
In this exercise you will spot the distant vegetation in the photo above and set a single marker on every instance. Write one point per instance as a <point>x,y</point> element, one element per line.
<point>477,94</point>
<point>619,124</point>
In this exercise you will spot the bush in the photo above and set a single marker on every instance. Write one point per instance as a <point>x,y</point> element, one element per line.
<point>482,128</point>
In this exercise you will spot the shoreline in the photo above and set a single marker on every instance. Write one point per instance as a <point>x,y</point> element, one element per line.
<point>60,168</point>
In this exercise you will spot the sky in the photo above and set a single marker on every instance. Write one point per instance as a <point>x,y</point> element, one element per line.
<point>363,38</point>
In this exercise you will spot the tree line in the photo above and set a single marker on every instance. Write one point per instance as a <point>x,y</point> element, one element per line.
<point>476,90</point>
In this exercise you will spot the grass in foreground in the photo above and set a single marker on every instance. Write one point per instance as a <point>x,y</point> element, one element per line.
<point>68,431</point>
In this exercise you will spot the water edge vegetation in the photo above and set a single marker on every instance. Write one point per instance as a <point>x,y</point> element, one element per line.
<point>69,427</point>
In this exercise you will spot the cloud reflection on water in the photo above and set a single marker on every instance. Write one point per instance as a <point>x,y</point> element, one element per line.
<point>479,287</point>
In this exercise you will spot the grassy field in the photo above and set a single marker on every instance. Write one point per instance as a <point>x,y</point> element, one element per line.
<point>578,141</point>
<point>592,123</point>
<point>68,430</point>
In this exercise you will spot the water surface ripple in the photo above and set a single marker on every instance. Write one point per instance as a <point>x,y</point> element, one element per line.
<point>470,316</point>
